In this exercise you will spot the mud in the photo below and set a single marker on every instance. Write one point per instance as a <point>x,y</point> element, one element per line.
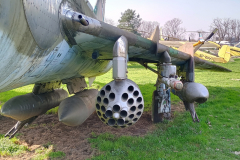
<point>73,141</point>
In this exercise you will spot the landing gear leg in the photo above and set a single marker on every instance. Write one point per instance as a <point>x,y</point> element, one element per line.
<point>167,79</point>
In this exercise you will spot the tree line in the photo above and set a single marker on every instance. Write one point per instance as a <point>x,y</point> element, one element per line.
<point>228,29</point>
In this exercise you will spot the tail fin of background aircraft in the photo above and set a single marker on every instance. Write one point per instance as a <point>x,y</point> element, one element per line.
<point>224,52</point>
<point>99,10</point>
<point>187,48</point>
<point>201,37</point>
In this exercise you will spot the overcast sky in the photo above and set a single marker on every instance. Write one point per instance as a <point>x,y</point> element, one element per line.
<point>195,14</point>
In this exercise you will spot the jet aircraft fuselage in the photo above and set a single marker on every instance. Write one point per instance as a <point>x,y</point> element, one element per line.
<point>33,49</point>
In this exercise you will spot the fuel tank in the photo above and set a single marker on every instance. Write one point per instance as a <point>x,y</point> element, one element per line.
<point>74,110</point>
<point>30,105</point>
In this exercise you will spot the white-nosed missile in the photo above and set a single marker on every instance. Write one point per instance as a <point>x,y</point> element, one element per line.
<point>30,105</point>
<point>74,110</point>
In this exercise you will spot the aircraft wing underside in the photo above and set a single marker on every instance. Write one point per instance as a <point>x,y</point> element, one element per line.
<point>94,36</point>
<point>140,49</point>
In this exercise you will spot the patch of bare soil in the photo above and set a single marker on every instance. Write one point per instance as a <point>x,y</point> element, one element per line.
<point>73,141</point>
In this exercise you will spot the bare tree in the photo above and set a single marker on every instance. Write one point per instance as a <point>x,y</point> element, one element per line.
<point>147,27</point>
<point>234,30</point>
<point>172,28</point>
<point>228,29</point>
<point>223,27</point>
<point>238,31</point>
<point>110,21</point>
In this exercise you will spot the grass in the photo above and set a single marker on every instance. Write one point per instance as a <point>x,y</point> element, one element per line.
<point>217,136</point>
<point>46,152</point>
<point>11,147</point>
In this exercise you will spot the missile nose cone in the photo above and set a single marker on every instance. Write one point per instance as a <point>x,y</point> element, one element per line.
<point>195,92</point>
<point>201,100</point>
<point>203,94</point>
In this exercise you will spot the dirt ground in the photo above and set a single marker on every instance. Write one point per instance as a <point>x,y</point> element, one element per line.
<point>73,141</point>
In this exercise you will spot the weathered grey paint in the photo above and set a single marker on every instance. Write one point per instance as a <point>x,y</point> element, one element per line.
<point>31,105</point>
<point>26,57</point>
<point>74,110</point>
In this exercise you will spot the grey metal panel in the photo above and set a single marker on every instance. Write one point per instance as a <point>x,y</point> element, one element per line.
<point>23,62</point>
<point>42,17</point>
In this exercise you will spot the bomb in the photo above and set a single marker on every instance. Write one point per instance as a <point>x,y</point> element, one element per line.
<point>74,110</point>
<point>30,105</point>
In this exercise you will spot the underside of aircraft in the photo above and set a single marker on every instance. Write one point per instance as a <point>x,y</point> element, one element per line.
<point>51,42</point>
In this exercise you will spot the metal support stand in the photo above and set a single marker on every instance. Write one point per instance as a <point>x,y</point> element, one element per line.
<point>11,133</point>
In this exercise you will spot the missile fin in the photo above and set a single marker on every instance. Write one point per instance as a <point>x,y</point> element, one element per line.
<point>190,107</point>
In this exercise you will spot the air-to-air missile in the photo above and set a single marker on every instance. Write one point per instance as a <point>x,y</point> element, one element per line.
<point>74,110</point>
